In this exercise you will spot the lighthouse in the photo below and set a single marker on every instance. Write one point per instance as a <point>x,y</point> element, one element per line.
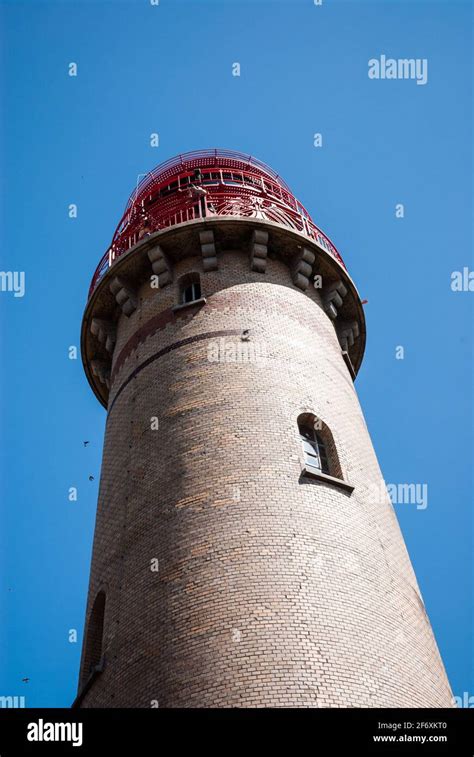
<point>242,556</point>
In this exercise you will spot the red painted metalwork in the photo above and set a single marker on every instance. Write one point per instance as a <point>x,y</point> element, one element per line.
<point>228,184</point>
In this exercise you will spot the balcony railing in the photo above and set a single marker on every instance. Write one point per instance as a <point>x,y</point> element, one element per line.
<point>203,185</point>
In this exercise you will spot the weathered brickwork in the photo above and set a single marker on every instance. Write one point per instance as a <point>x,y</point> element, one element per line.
<point>273,589</point>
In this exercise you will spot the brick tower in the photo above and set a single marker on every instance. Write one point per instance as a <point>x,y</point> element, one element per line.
<point>241,557</point>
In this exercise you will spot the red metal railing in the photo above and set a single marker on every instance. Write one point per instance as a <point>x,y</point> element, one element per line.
<point>208,184</point>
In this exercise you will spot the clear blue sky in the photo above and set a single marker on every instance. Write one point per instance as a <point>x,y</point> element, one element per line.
<point>167,69</point>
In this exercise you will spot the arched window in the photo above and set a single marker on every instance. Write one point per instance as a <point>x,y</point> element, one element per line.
<point>95,632</point>
<point>189,288</point>
<point>314,450</point>
<point>319,449</point>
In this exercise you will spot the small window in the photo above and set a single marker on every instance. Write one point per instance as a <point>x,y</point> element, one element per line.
<point>314,450</point>
<point>94,637</point>
<point>190,288</point>
<point>192,292</point>
<point>319,450</point>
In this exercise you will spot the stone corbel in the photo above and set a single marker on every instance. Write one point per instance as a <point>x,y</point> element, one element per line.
<point>333,296</point>
<point>124,295</point>
<point>303,268</point>
<point>347,333</point>
<point>105,333</point>
<point>208,250</point>
<point>101,369</point>
<point>259,251</point>
<point>160,266</point>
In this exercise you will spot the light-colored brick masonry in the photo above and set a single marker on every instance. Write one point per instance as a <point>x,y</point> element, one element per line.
<point>273,589</point>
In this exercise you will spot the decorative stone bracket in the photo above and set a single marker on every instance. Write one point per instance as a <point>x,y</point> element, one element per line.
<point>333,296</point>
<point>259,250</point>
<point>160,266</point>
<point>303,268</point>
<point>208,250</point>
<point>124,295</point>
<point>347,333</point>
<point>101,369</point>
<point>105,333</point>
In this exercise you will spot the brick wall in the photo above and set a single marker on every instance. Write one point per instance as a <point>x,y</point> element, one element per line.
<point>272,589</point>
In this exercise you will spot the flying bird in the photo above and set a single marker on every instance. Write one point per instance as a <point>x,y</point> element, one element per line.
<point>91,478</point>
<point>85,444</point>
<point>25,680</point>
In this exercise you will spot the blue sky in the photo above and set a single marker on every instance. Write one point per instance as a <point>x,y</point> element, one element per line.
<point>84,140</point>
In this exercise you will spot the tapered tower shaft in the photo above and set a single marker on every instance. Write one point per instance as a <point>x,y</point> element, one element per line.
<point>241,557</point>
